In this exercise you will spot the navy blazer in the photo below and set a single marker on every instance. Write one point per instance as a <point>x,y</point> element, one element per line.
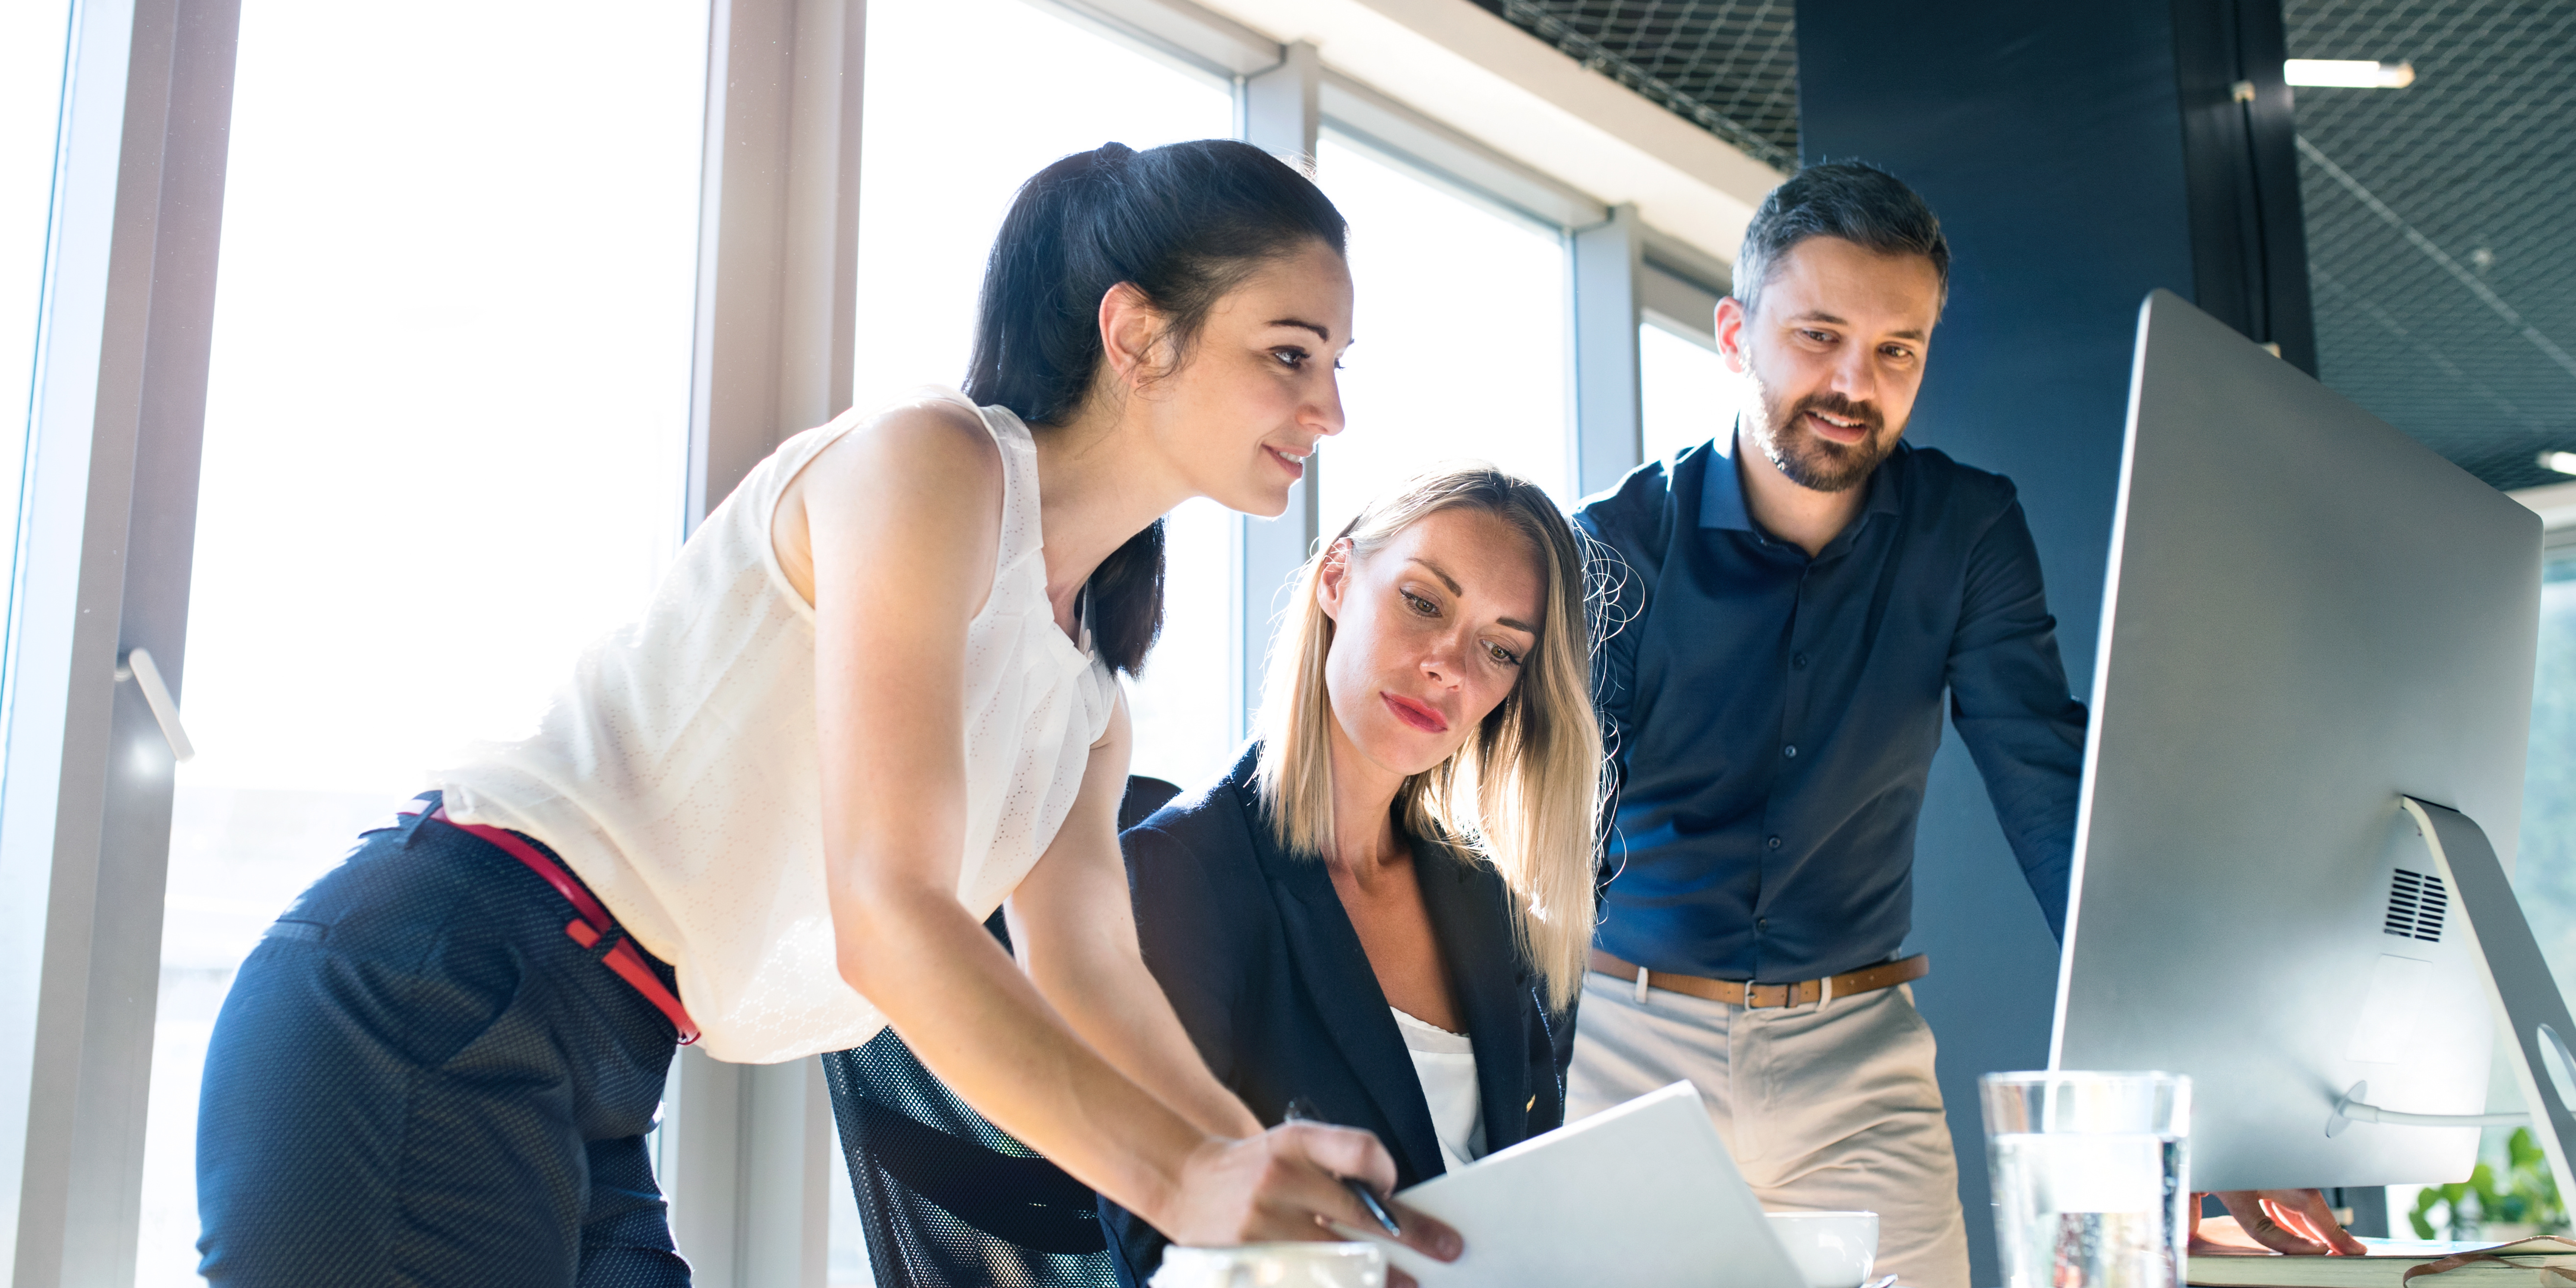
<point>1266,972</point>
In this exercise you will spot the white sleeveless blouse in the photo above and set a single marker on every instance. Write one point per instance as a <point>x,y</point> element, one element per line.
<point>679,773</point>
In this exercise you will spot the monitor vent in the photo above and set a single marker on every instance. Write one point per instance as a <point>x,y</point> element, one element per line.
<point>2416,904</point>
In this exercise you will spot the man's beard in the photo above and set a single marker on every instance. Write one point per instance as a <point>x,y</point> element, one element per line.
<point>1813,462</point>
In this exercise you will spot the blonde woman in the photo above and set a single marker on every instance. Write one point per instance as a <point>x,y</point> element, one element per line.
<point>1380,917</point>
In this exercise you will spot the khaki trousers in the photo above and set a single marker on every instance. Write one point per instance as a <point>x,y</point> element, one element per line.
<point>1829,1108</point>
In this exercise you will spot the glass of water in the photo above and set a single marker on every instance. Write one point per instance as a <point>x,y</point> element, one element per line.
<point>2090,1177</point>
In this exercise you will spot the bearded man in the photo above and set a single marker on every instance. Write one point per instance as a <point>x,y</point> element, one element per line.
<point>1801,594</point>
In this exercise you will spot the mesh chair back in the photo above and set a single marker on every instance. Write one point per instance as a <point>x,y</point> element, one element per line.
<point>946,1198</point>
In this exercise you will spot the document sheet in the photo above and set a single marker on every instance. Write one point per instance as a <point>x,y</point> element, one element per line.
<point>1643,1196</point>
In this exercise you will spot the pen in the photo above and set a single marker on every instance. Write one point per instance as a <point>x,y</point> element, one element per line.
<point>1368,1199</point>
<point>1301,1112</point>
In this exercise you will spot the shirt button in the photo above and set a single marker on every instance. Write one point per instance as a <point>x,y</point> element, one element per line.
<point>1798,663</point>
<point>1791,751</point>
<point>1774,843</point>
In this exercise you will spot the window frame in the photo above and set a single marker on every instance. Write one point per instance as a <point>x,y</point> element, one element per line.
<point>1679,302</point>
<point>108,534</point>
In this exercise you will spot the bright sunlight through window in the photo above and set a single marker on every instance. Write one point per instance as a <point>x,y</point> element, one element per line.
<point>445,440</point>
<point>1458,340</point>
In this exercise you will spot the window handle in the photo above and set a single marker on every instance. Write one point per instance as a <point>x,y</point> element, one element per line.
<point>138,667</point>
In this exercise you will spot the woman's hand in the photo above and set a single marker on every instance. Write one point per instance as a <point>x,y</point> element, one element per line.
<point>2295,1222</point>
<point>1286,1184</point>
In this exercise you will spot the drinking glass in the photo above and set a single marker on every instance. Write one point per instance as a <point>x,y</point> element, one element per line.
<point>2090,1177</point>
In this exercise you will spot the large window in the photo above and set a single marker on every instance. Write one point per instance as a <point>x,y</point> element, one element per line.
<point>1179,705</point>
<point>2544,880</point>
<point>1688,394</point>
<point>445,438</point>
<point>2544,872</point>
<point>33,39</point>
<point>1459,338</point>
<point>948,142</point>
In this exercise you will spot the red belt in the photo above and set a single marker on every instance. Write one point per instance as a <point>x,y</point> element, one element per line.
<point>593,925</point>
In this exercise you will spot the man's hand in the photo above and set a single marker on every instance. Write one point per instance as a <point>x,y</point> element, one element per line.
<point>2296,1222</point>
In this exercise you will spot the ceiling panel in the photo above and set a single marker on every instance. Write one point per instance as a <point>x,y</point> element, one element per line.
<point>2441,223</point>
<point>1730,65</point>
<point>2441,218</point>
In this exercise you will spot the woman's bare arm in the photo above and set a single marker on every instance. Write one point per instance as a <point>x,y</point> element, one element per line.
<point>1076,932</point>
<point>900,521</point>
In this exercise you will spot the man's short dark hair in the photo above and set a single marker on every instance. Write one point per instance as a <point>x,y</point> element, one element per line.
<point>1857,202</point>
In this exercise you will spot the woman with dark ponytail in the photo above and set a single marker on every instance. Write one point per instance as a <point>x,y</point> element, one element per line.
<point>873,698</point>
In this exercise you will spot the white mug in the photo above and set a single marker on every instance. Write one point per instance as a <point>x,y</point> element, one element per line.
<point>1273,1265</point>
<point>1830,1249</point>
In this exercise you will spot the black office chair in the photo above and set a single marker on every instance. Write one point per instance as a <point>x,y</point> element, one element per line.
<point>948,1199</point>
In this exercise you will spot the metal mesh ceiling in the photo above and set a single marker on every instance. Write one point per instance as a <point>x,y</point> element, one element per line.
<point>2441,219</point>
<point>1730,65</point>
<point>2441,223</point>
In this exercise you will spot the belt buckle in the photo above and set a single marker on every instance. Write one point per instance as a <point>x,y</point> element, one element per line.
<point>1753,997</point>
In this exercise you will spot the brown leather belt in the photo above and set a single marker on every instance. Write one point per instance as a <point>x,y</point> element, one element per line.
<point>1803,993</point>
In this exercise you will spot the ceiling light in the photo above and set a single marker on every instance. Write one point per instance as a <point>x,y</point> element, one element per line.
<point>2351,73</point>
<point>2563,462</point>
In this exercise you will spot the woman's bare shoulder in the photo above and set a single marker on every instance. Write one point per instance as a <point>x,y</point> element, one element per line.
<point>925,441</point>
<point>918,476</point>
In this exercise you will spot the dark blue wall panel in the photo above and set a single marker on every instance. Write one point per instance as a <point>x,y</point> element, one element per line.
<point>2049,137</point>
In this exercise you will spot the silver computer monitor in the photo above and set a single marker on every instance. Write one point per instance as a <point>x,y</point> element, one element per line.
<point>2308,616</point>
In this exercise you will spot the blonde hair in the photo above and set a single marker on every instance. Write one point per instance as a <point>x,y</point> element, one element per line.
<point>1523,793</point>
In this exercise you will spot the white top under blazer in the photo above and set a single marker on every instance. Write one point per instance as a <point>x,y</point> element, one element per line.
<point>1445,1064</point>
<point>679,773</point>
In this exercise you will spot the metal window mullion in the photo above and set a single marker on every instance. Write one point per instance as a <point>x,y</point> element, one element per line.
<point>119,418</point>
<point>745,1161</point>
<point>777,294</point>
<point>746,1149</point>
<point>1609,425</point>
<point>1281,112</point>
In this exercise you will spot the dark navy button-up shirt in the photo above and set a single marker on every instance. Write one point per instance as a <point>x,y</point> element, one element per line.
<point>1773,717</point>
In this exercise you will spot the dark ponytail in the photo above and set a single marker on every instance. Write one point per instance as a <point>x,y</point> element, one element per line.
<point>1183,224</point>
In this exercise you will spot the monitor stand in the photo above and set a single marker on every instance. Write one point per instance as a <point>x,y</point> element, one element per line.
<point>2518,982</point>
